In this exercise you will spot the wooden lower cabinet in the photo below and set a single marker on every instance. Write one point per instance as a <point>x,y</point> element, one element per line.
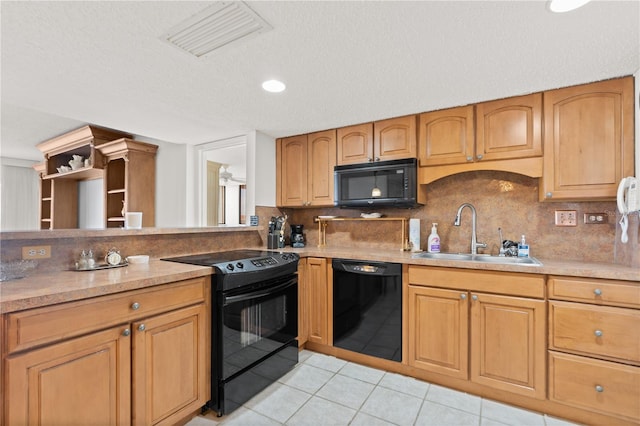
<point>594,346</point>
<point>79,382</point>
<point>168,366</point>
<point>594,385</point>
<point>438,331</point>
<point>508,343</point>
<point>151,368</point>
<point>493,340</point>
<point>317,285</point>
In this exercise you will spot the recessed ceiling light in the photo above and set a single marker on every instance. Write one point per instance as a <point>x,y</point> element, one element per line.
<point>560,6</point>
<point>273,86</point>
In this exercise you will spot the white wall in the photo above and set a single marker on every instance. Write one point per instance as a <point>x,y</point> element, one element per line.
<point>637,119</point>
<point>264,164</point>
<point>19,195</point>
<point>91,204</point>
<point>172,183</point>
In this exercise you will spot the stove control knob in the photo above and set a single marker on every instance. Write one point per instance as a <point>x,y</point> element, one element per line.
<point>285,257</point>
<point>230,267</point>
<point>240,265</point>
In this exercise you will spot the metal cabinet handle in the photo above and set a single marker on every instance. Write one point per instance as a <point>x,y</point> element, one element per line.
<point>126,332</point>
<point>479,156</point>
<point>598,333</point>
<point>463,296</point>
<point>599,388</point>
<point>549,194</point>
<point>135,306</point>
<point>469,158</point>
<point>141,327</point>
<point>474,297</point>
<point>377,159</point>
<point>597,292</point>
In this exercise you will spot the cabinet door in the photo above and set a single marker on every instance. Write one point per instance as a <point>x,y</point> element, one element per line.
<point>588,140</point>
<point>446,136</point>
<point>317,286</point>
<point>292,170</point>
<point>77,382</point>
<point>321,158</point>
<point>395,138</point>
<point>303,303</point>
<point>355,144</point>
<point>170,374</point>
<point>508,343</point>
<point>509,128</point>
<point>438,331</point>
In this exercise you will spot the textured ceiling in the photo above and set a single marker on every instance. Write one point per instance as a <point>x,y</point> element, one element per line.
<point>65,64</point>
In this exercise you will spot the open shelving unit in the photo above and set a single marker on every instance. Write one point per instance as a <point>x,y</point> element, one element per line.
<point>323,222</point>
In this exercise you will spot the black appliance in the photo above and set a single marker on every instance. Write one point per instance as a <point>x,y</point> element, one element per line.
<point>254,322</point>
<point>297,236</point>
<point>367,307</point>
<point>378,184</point>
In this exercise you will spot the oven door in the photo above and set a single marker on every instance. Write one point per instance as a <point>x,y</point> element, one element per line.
<point>256,322</point>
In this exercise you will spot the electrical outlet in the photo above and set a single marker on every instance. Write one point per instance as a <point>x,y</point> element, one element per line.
<point>36,252</point>
<point>591,218</point>
<point>566,218</point>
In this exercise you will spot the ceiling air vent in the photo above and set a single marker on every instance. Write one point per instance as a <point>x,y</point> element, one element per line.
<point>216,26</point>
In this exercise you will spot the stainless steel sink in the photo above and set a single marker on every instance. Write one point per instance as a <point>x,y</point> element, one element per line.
<point>467,257</point>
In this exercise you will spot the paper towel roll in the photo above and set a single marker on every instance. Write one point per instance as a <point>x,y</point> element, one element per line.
<point>414,234</point>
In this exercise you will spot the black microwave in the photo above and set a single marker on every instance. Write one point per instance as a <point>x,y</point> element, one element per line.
<point>379,184</point>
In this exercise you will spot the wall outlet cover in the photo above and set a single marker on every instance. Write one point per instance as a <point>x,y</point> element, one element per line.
<point>566,218</point>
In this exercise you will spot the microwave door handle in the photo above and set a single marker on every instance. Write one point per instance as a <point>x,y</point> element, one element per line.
<point>260,293</point>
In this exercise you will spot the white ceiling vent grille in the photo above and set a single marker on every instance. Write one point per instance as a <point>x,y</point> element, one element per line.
<point>216,26</point>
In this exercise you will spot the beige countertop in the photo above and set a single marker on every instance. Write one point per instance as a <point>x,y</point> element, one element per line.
<point>65,286</point>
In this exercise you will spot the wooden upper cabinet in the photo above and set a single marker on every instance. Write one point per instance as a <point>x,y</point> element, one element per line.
<point>446,136</point>
<point>394,138</point>
<point>355,144</point>
<point>321,159</point>
<point>292,171</point>
<point>588,140</point>
<point>509,128</point>
<point>383,140</point>
<point>305,169</point>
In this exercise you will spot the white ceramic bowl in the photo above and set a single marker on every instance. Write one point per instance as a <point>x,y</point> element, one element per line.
<point>140,258</point>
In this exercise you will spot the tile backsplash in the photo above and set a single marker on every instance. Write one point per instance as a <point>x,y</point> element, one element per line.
<point>502,199</point>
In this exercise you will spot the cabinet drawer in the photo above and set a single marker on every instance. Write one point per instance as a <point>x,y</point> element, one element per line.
<point>601,292</point>
<point>595,330</point>
<point>594,385</point>
<point>35,327</point>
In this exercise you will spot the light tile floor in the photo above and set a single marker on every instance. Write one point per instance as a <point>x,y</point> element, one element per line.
<point>324,390</point>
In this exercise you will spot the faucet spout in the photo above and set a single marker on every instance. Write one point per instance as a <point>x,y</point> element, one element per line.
<point>474,218</point>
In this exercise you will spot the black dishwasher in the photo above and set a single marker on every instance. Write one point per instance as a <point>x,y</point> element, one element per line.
<point>367,307</point>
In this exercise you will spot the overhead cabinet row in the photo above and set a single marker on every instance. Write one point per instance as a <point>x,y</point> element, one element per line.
<point>557,135</point>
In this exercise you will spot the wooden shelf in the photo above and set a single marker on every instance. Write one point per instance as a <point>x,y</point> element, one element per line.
<point>85,173</point>
<point>323,222</point>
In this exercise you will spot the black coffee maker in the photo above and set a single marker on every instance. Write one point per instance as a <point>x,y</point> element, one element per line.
<point>297,237</point>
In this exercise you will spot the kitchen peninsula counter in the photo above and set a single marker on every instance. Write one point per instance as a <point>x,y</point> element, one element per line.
<point>66,286</point>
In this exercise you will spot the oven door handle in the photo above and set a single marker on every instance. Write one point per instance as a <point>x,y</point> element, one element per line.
<point>260,293</point>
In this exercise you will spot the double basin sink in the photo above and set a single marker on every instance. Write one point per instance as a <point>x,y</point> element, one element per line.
<point>479,258</point>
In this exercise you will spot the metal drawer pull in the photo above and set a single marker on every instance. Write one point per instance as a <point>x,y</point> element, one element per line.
<point>141,327</point>
<point>135,306</point>
<point>126,332</point>
<point>463,296</point>
<point>597,292</point>
<point>599,388</point>
<point>598,333</point>
<point>474,297</point>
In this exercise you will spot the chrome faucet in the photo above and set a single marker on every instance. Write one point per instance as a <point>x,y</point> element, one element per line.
<point>474,239</point>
